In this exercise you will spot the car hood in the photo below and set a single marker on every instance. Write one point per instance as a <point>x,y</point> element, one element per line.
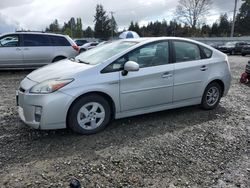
<point>62,69</point>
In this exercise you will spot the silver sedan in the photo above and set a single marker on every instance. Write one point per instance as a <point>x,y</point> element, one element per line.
<point>121,79</point>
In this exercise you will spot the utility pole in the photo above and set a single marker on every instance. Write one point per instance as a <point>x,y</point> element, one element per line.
<point>233,25</point>
<point>112,23</point>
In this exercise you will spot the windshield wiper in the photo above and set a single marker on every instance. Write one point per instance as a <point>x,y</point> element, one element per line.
<point>78,60</point>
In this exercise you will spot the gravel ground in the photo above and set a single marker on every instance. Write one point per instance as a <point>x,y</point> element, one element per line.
<point>185,147</point>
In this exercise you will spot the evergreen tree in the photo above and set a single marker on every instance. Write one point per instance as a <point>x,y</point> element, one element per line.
<point>102,23</point>
<point>89,33</point>
<point>131,27</point>
<point>113,26</point>
<point>224,25</point>
<point>54,27</point>
<point>243,18</point>
<point>215,30</point>
<point>79,32</point>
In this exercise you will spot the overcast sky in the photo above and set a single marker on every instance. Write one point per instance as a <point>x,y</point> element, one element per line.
<point>37,14</point>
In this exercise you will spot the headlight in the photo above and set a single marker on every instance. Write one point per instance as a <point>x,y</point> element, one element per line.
<point>50,86</point>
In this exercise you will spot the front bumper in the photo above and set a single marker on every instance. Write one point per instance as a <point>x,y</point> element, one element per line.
<point>54,109</point>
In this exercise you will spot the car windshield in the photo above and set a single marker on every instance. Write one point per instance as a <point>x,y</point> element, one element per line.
<point>230,44</point>
<point>104,52</point>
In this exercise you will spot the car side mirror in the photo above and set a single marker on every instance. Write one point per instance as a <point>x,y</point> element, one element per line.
<point>130,66</point>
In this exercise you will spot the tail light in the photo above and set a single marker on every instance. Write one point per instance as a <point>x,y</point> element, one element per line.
<point>76,48</point>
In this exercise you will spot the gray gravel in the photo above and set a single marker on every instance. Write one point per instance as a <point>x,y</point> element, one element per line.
<point>185,147</point>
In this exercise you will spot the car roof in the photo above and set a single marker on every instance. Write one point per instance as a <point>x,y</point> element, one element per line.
<point>149,39</point>
<point>30,32</point>
<point>154,39</point>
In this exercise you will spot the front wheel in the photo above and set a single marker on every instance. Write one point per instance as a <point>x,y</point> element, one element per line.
<point>211,96</point>
<point>89,115</point>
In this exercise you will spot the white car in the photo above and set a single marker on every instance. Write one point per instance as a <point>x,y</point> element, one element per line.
<point>88,46</point>
<point>31,50</point>
<point>121,79</point>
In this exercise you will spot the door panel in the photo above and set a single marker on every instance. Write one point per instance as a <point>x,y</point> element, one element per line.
<point>37,55</point>
<point>191,71</point>
<point>10,53</point>
<point>10,57</point>
<point>37,49</point>
<point>189,79</point>
<point>148,87</point>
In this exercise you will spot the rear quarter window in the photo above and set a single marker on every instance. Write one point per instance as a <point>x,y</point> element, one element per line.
<point>59,41</point>
<point>207,52</point>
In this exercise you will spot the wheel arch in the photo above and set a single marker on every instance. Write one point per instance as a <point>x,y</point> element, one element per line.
<point>220,82</point>
<point>59,57</point>
<point>100,93</point>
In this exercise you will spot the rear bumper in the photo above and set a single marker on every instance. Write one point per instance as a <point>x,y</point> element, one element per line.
<point>227,83</point>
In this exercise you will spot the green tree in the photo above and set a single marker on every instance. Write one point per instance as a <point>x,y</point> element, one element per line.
<point>215,30</point>
<point>113,26</point>
<point>243,18</point>
<point>78,32</point>
<point>102,23</point>
<point>131,26</point>
<point>54,27</point>
<point>89,33</point>
<point>224,25</point>
<point>205,30</point>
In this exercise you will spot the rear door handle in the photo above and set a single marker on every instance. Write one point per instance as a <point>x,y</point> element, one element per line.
<point>203,68</point>
<point>166,75</point>
<point>18,49</point>
<point>26,48</point>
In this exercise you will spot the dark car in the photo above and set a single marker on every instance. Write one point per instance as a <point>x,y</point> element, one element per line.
<point>232,48</point>
<point>215,44</point>
<point>245,50</point>
<point>248,69</point>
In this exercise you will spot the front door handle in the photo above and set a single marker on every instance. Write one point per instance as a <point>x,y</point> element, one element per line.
<point>18,49</point>
<point>203,68</point>
<point>26,48</point>
<point>166,75</point>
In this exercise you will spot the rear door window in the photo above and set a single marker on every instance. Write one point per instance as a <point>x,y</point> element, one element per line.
<point>59,41</point>
<point>186,51</point>
<point>35,40</point>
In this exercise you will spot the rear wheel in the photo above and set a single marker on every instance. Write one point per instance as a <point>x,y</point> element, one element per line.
<point>211,96</point>
<point>243,54</point>
<point>89,115</point>
<point>58,59</point>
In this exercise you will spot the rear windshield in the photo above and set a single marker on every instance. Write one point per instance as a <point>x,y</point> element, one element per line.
<point>104,52</point>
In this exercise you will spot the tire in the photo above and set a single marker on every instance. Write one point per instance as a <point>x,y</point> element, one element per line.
<point>58,59</point>
<point>210,89</point>
<point>243,54</point>
<point>89,115</point>
<point>232,53</point>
